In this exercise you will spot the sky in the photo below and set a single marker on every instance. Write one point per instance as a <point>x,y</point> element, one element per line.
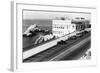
<point>40,15</point>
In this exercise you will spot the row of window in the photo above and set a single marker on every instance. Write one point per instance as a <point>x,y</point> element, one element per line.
<point>63,27</point>
<point>80,27</point>
<point>59,32</point>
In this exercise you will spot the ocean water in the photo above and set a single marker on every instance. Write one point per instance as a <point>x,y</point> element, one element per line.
<point>42,24</point>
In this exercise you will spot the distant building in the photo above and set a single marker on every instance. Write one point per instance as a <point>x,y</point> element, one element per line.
<point>61,27</point>
<point>81,23</point>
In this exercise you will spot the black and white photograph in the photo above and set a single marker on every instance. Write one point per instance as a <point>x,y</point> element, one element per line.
<point>52,36</point>
<point>55,36</point>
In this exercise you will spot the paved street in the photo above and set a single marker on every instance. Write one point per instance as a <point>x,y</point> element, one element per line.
<point>73,49</point>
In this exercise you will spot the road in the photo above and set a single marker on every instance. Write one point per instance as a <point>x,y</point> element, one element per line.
<point>78,53</point>
<point>63,52</point>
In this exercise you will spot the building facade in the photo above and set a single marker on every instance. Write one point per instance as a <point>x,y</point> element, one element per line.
<point>62,27</point>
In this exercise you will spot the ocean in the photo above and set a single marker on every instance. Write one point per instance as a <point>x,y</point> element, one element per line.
<point>42,24</point>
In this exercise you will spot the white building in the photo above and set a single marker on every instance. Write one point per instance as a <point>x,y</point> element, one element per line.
<point>62,27</point>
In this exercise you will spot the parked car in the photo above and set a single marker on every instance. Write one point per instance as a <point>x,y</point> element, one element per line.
<point>61,42</point>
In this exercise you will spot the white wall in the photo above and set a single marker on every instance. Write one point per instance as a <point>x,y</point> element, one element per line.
<point>61,23</point>
<point>5,35</point>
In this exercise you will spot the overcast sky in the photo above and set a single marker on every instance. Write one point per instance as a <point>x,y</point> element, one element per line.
<point>51,15</point>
